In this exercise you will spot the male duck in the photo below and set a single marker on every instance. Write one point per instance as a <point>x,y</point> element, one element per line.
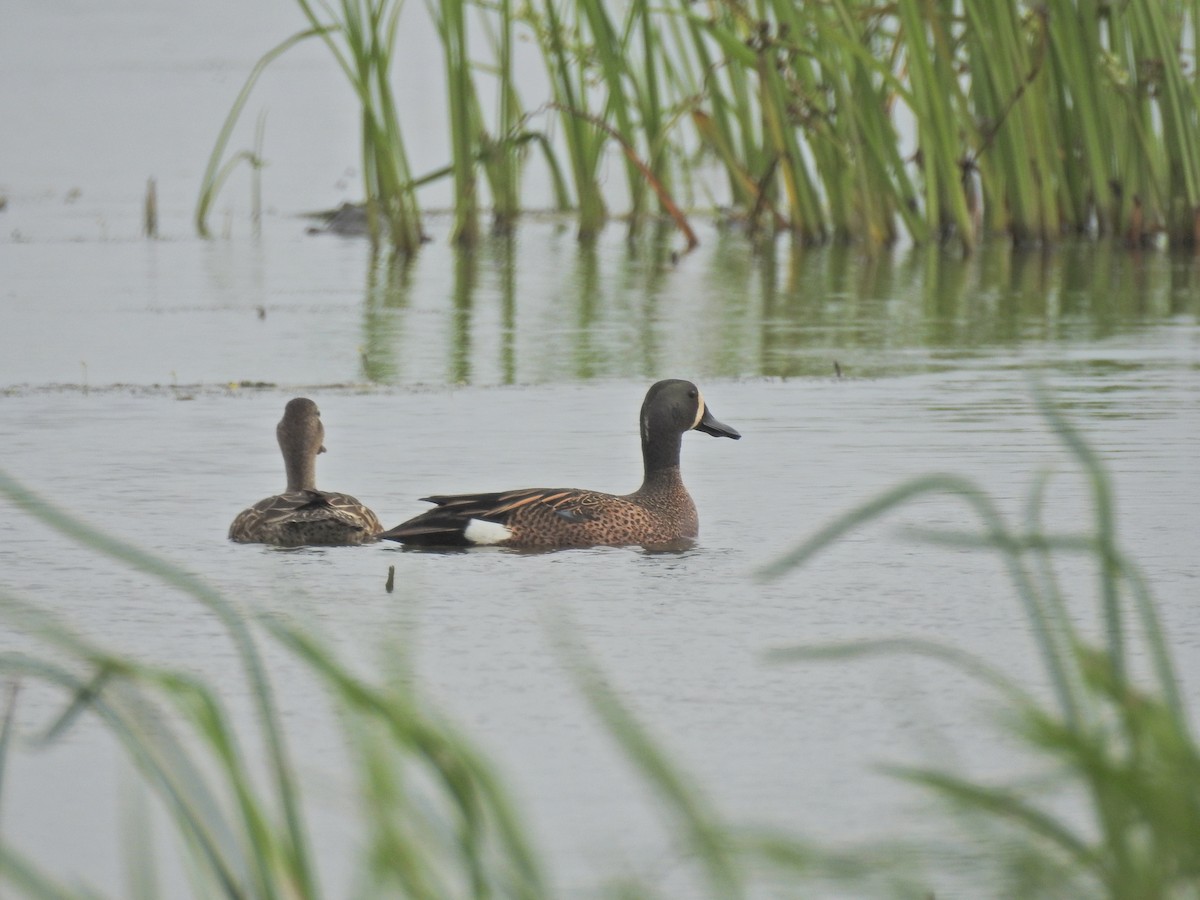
<point>659,513</point>
<point>303,515</point>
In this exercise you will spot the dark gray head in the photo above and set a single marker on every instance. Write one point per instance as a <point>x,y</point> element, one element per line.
<point>301,437</point>
<point>676,406</point>
<point>672,407</point>
<point>301,428</point>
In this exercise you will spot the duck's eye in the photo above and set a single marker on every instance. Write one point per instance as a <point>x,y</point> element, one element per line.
<point>692,393</point>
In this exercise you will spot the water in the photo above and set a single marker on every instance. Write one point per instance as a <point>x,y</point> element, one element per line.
<point>122,365</point>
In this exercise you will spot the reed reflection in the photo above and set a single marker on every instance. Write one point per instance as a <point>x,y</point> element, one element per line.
<point>506,265</point>
<point>540,307</point>
<point>463,294</point>
<point>389,279</point>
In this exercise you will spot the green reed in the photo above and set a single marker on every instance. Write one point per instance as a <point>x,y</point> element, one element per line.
<point>367,33</point>
<point>498,149</point>
<point>218,168</point>
<point>848,119</point>
<point>465,132</point>
<point>361,36</point>
<point>562,51</point>
<point>1125,748</point>
<point>504,152</point>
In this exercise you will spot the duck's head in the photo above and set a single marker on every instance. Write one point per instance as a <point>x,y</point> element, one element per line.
<point>300,430</point>
<point>676,406</point>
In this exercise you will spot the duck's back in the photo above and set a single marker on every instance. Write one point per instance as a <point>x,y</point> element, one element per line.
<point>588,518</point>
<point>552,518</point>
<point>299,518</point>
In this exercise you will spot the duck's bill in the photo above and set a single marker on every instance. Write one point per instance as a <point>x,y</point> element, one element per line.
<point>709,425</point>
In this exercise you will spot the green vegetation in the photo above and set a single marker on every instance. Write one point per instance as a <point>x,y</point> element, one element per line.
<point>438,823</point>
<point>1126,749</point>
<point>361,36</point>
<point>839,120</point>
<point>367,32</point>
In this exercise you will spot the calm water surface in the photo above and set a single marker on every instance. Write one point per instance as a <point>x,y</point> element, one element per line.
<point>523,366</point>
<point>680,636</point>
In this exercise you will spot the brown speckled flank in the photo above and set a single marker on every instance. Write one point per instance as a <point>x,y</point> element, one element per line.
<point>659,513</point>
<point>302,515</point>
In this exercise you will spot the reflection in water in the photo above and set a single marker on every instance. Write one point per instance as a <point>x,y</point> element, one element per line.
<point>942,278</point>
<point>386,294</point>
<point>508,307</point>
<point>465,269</point>
<point>540,308</point>
<point>643,288</point>
<point>1181,297</point>
<point>586,284</point>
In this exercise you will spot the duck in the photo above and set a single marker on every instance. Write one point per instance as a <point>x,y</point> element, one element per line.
<point>303,515</point>
<point>660,513</point>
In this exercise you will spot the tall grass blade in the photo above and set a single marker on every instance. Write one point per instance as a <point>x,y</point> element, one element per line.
<point>712,844</point>
<point>23,874</point>
<point>1102,498</point>
<point>1004,804</point>
<point>287,794</point>
<point>664,198</point>
<point>1129,754</point>
<point>998,533</point>
<point>450,16</point>
<point>368,30</point>
<point>217,171</point>
<point>1030,120</point>
<point>6,732</point>
<point>154,750</point>
<point>607,45</point>
<point>503,156</point>
<point>484,818</point>
<point>958,659</point>
<point>584,142</point>
<point>137,838</point>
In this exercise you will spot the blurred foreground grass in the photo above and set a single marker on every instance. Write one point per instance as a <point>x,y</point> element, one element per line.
<point>438,822</point>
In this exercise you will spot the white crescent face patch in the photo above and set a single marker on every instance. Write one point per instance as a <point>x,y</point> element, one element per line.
<point>480,532</point>
<point>699,408</point>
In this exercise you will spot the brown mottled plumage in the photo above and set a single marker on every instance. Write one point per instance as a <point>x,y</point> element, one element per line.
<point>302,515</point>
<point>659,513</point>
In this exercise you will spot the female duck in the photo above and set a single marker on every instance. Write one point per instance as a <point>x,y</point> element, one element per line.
<point>303,515</point>
<point>659,513</point>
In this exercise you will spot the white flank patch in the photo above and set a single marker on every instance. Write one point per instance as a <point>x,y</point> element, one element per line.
<point>480,532</point>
